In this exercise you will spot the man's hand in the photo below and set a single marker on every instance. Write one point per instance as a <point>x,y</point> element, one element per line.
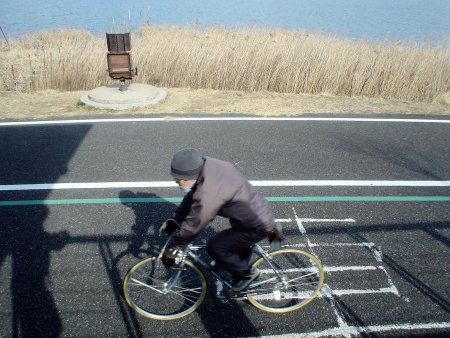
<point>171,256</point>
<point>169,226</point>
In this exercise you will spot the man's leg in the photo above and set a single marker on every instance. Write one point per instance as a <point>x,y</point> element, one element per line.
<point>231,249</point>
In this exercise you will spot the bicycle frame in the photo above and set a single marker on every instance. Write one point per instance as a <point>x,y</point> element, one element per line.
<point>208,267</point>
<point>190,252</point>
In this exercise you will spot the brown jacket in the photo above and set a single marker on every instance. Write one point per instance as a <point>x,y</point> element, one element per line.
<point>222,190</point>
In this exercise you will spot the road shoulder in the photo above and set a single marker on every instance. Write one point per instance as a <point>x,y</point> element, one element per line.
<point>54,104</point>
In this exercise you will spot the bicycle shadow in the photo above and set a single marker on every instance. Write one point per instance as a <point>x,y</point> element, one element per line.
<point>145,240</point>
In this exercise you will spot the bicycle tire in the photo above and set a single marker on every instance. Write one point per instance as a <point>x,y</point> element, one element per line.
<point>143,289</point>
<point>302,279</point>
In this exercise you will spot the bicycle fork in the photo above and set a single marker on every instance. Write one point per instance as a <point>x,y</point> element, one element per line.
<point>177,269</point>
<point>171,281</point>
<point>267,258</point>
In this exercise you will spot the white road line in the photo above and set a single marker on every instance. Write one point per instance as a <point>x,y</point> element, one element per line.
<point>300,226</point>
<point>342,324</point>
<point>171,184</point>
<point>365,291</point>
<point>363,244</point>
<point>349,268</point>
<point>196,119</point>
<point>356,183</point>
<point>332,220</point>
<point>93,185</point>
<point>377,254</point>
<point>367,245</point>
<point>302,230</point>
<point>287,220</point>
<point>390,281</point>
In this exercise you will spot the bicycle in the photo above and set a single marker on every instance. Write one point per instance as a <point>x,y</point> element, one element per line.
<point>290,278</point>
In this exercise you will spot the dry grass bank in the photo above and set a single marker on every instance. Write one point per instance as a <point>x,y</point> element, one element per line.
<point>250,60</point>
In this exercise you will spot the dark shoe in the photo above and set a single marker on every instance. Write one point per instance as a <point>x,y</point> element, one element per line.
<point>244,282</point>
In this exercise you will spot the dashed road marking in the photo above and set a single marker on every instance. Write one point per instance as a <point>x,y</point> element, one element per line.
<point>343,327</point>
<point>349,331</point>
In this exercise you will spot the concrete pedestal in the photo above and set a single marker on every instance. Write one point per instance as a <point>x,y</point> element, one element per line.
<point>110,97</point>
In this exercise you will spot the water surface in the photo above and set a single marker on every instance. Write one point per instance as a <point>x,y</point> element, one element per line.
<point>371,19</point>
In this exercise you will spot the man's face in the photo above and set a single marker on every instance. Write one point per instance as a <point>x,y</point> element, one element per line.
<point>183,183</point>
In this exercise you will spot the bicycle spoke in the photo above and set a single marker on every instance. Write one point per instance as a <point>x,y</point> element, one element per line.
<point>257,283</point>
<point>303,276</point>
<point>306,283</point>
<point>192,300</point>
<point>194,290</point>
<point>145,285</point>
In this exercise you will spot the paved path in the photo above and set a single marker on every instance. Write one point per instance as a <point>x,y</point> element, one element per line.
<point>369,198</point>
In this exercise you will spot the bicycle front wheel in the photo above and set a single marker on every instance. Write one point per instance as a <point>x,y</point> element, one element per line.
<point>146,289</point>
<point>297,281</point>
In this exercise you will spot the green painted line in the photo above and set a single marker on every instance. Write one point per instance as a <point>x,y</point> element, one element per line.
<point>91,201</point>
<point>270,199</point>
<point>360,199</point>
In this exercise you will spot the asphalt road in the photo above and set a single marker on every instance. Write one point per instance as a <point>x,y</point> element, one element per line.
<point>385,247</point>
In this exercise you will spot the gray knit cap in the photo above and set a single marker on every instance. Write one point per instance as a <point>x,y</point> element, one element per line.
<point>186,164</point>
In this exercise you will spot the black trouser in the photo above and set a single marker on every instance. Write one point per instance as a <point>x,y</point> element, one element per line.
<point>231,249</point>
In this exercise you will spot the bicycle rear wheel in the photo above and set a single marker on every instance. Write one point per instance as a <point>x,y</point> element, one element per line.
<point>144,289</point>
<point>299,280</point>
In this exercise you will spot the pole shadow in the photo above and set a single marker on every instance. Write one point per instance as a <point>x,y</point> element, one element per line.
<point>33,154</point>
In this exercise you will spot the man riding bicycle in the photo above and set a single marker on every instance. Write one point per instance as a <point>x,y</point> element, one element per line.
<point>214,187</point>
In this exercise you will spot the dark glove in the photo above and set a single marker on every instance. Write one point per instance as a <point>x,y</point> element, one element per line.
<point>171,256</point>
<point>276,237</point>
<point>169,226</point>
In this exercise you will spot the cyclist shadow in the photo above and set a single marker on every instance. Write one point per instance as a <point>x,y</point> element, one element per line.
<point>144,241</point>
<point>144,237</point>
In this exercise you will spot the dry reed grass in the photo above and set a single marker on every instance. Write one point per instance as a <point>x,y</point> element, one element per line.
<point>257,59</point>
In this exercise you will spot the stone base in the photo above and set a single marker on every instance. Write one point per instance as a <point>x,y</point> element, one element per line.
<point>110,97</point>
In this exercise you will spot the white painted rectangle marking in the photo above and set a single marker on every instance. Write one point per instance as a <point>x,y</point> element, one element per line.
<point>354,330</point>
